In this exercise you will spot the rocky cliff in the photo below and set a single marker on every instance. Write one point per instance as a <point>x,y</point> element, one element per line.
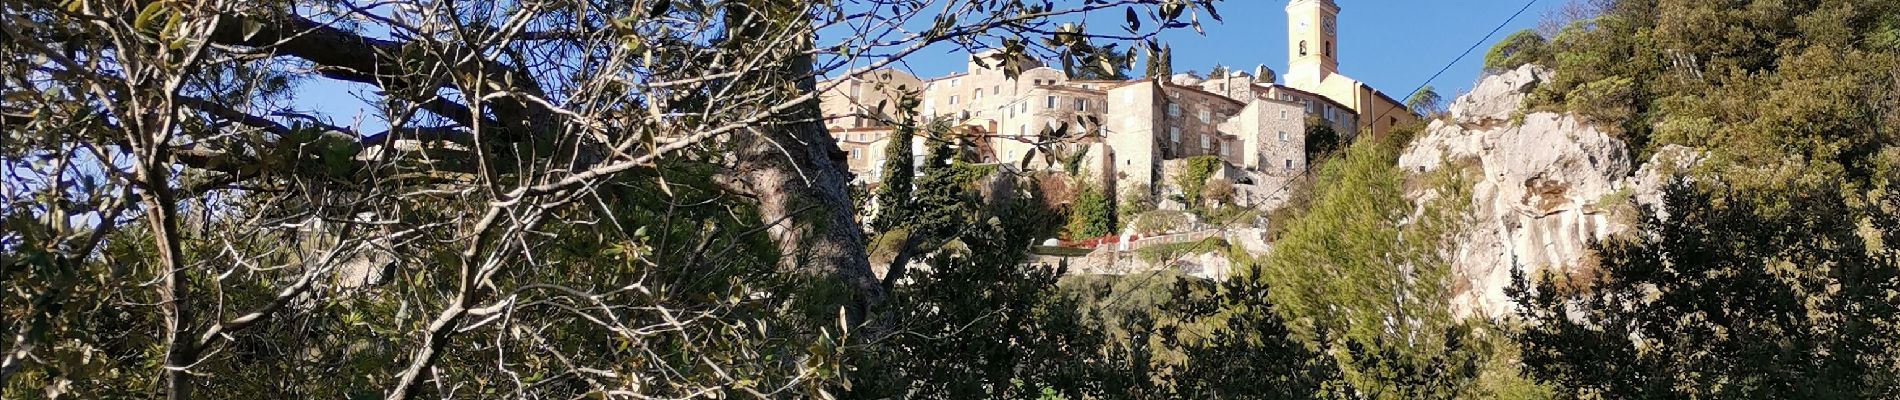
<point>1544,186</point>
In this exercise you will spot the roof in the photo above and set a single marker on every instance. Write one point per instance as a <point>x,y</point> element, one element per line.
<point>1335,103</point>
<point>1198,90</point>
<point>1062,88</point>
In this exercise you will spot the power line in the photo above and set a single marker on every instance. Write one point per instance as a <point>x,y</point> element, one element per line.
<point>1461,57</point>
<point>1306,172</point>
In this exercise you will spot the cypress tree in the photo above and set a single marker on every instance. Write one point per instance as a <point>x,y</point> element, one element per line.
<point>893,194</point>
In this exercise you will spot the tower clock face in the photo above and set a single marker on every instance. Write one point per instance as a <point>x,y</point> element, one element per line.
<point>1328,26</point>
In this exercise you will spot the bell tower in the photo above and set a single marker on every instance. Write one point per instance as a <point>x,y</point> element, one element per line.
<point>1312,42</point>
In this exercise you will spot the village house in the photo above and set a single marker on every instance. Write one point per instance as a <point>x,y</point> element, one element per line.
<point>1122,132</point>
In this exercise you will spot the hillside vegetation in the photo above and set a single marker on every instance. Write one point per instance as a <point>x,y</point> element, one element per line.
<point>638,199</point>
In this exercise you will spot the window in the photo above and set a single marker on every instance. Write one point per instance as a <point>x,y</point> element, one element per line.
<point>1052,102</point>
<point>1302,54</point>
<point>1329,48</point>
<point>996,90</point>
<point>953,82</point>
<point>1223,148</point>
<point>1289,164</point>
<point>953,100</point>
<point>1081,104</point>
<point>1174,134</point>
<point>1282,115</point>
<point>1206,116</point>
<point>856,89</point>
<point>1022,107</point>
<point>857,154</point>
<point>1174,110</point>
<point>1205,144</point>
<point>1283,136</point>
<point>979,94</point>
<point>1022,131</point>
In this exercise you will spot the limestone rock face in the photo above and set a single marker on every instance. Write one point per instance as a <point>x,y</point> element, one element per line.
<point>1498,96</point>
<point>1544,188</point>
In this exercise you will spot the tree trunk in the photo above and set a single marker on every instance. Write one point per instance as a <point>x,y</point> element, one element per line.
<point>793,167</point>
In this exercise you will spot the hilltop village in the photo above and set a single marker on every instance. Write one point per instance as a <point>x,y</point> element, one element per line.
<point>1129,130</point>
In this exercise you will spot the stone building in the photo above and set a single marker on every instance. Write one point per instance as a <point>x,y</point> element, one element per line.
<point>1125,130</point>
<point>1313,67</point>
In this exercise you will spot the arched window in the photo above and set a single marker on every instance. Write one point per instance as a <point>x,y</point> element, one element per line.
<point>1329,48</point>
<point>1302,48</point>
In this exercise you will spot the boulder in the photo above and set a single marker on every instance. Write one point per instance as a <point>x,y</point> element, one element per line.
<point>1498,96</point>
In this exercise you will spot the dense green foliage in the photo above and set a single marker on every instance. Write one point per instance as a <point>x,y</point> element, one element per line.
<point>1789,91</point>
<point>1772,272</point>
<point>1523,47</point>
<point>1322,141</point>
<point>1193,178</point>
<point>1093,214</point>
<point>1723,299</point>
<point>1175,336</point>
<point>1358,274</point>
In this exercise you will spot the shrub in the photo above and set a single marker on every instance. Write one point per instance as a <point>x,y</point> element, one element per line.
<point>1092,214</point>
<point>1523,47</point>
<point>1194,177</point>
<point>1219,191</point>
<point>1136,199</point>
<point>1158,221</point>
<point>1609,99</point>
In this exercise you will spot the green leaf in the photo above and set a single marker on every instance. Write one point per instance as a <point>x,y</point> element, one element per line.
<point>148,15</point>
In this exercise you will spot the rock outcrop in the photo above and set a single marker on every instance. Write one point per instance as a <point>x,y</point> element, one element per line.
<point>1498,96</point>
<point>1545,186</point>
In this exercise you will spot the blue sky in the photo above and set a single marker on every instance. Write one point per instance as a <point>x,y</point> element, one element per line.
<point>1394,45</point>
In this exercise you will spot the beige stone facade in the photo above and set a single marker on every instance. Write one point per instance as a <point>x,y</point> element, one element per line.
<point>1128,129</point>
<point>1313,67</point>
